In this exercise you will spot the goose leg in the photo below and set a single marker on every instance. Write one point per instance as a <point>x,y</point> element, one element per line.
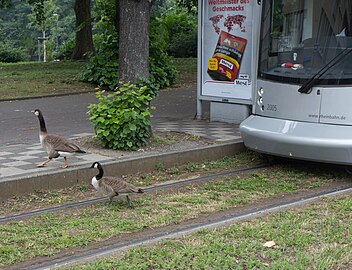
<point>110,199</point>
<point>44,163</point>
<point>65,163</point>
<point>128,201</point>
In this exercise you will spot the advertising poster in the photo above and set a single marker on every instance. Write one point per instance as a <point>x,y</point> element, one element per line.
<point>226,48</point>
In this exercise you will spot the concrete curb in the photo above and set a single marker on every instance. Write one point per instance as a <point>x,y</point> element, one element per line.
<point>82,174</point>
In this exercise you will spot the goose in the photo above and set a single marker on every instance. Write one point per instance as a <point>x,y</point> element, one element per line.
<point>112,186</point>
<point>54,145</point>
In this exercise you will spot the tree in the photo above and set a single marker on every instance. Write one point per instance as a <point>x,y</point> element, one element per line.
<point>191,5</point>
<point>84,36</point>
<point>134,18</point>
<point>5,3</point>
<point>47,21</point>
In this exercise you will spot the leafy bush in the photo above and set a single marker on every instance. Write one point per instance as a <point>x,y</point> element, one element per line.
<point>122,118</point>
<point>182,33</point>
<point>162,70</point>
<point>65,50</point>
<point>102,67</point>
<point>10,54</point>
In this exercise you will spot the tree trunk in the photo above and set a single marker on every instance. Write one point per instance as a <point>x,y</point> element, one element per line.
<point>84,36</point>
<point>117,19</point>
<point>134,40</point>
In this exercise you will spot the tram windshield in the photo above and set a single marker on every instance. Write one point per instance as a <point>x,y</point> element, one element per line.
<point>299,38</point>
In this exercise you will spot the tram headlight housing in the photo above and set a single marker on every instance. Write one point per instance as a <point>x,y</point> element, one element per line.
<point>260,99</point>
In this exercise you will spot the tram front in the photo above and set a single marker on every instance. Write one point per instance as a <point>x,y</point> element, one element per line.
<point>303,101</point>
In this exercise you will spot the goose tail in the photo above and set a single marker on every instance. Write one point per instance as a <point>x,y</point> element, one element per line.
<point>140,190</point>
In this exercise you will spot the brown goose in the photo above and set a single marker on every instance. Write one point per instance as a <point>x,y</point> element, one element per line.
<point>112,186</point>
<point>54,145</point>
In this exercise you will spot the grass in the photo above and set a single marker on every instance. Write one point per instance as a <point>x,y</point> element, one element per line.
<point>317,237</point>
<point>187,68</point>
<point>30,79</point>
<point>169,138</point>
<point>49,234</point>
<point>37,79</point>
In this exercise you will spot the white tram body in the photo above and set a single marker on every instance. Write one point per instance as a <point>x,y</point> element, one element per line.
<point>302,104</point>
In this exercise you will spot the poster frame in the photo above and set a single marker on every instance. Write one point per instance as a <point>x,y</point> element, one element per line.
<point>256,14</point>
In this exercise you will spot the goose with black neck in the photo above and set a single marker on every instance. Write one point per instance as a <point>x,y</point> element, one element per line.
<point>55,145</point>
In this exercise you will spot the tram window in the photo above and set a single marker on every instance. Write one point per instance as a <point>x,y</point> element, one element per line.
<point>299,37</point>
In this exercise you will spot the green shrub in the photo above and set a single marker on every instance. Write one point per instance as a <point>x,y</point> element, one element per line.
<point>102,68</point>
<point>162,70</point>
<point>121,119</point>
<point>182,33</point>
<point>65,50</point>
<point>10,54</point>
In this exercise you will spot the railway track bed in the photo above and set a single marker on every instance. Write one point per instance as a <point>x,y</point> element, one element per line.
<point>183,197</point>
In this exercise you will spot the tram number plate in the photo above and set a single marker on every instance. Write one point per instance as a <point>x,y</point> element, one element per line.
<point>271,107</point>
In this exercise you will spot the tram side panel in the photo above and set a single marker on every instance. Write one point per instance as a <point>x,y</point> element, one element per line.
<point>283,101</point>
<point>336,107</point>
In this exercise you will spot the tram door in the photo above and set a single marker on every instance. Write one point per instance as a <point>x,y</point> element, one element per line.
<point>306,49</point>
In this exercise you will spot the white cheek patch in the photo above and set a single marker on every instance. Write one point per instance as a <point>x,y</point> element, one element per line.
<point>96,165</point>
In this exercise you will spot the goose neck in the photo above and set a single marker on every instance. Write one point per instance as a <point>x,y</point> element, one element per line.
<point>100,174</point>
<point>42,124</point>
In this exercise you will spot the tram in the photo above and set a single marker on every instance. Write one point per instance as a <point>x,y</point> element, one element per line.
<point>302,106</point>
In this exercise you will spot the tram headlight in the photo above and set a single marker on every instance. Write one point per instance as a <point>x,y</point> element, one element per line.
<point>260,102</point>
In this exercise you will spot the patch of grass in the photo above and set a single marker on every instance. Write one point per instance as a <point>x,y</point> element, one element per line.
<point>187,68</point>
<point>50,233</point>
<point>159,140</point>
<point>83,187</point>
<point>318,237</point>
<point>169,138</point>
<point>30,79</point>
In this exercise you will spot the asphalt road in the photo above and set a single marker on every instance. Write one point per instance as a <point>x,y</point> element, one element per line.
<point>67,115</point>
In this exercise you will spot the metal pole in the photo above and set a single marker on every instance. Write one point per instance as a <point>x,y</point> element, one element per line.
<point>44,47</point>
<point>38,49</point>
<point>199,61</point>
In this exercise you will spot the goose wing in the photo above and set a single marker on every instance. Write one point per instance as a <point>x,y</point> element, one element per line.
<point>58,143</point>
<point>120,185</point>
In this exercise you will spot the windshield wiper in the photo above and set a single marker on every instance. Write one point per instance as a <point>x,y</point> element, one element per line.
<point>306,88</point>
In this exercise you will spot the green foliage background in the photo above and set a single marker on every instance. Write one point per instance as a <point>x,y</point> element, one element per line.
<point>16,29</point>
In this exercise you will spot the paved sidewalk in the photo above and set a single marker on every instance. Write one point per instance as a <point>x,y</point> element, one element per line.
<point>20,160</point>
